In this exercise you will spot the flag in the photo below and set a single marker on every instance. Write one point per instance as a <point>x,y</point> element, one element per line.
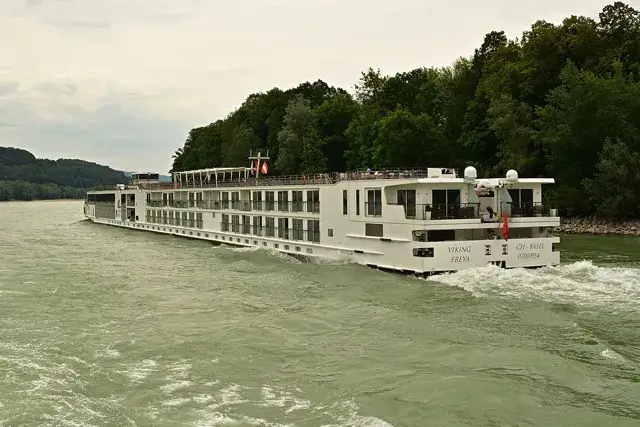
<point>264,168</point>
<point>505,227</point>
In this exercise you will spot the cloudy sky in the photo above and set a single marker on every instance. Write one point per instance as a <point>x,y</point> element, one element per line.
<point>121,82</point>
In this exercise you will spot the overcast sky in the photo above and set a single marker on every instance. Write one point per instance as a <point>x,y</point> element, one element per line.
<point>121,82</point>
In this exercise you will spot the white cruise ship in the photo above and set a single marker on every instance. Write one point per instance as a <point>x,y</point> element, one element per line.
<point>411,221</point>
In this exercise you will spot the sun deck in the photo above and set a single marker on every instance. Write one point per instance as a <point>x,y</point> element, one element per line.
<point>242,177</point>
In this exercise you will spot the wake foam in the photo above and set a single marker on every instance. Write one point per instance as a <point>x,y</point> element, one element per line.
<point>578,283</point>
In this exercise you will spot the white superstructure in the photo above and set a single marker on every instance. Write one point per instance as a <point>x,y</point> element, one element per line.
<point>419,222</point>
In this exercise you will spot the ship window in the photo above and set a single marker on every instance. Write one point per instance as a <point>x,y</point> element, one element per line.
<point>270,227</point>
<point>373,205</point>
<point>423,252</point>
<point>297,231</point>
<point>297,204</point>
<point>419,235</point>
<point>373,230</point>
<point>330,232</point>
<point>357,202</point>
<point>313,230</point>
<point>246,224</point>
<point>441,235</point>
<point>270,200</point>
<point>345,202</point>
<point>521,195</point>
<point>313,201</point>
<point>445,204</point>
<point>283,201</point>
<point>286,247</point>
<point>283,228</point>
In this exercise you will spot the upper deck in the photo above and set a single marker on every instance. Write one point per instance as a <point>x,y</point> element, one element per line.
<point>242,177</point>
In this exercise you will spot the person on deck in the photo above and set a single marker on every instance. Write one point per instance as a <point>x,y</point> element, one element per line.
<point>492,214</point>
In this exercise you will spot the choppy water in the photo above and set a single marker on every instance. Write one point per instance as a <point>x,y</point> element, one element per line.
<point>110,327</point>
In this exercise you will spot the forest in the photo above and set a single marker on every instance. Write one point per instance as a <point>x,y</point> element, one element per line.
<point>562,100</point>
<point>24,177</point>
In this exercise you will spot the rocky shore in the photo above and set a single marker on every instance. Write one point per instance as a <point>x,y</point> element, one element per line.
<point>599,226</point>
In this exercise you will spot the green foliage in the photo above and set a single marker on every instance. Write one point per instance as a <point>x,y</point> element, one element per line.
<point>21,190</point>
<point>23,177</point>
<point>562,101</point>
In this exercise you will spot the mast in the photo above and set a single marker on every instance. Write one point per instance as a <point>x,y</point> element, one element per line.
<point>258,157</point>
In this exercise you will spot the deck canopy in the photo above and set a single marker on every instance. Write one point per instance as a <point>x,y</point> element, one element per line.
<point>209,176</point>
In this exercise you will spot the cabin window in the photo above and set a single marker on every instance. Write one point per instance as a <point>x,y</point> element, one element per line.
<point>419,235</point>
<point>441,235</point>
<point>374,203</point>
<point>270,227</point>
<point>330,232</point>
<point>246,224</point>
<point>257,225</point>
<point>313,201</point>
<point>296,201</point>
<point>521,201</point>
<point>521,195</point>
<point>445,204</point>
<point>283,228</point>
<point>313,230</point>
<point>257,200</point>
<point>235,200</point>
<point>283,201</point>
<point>357,202</point>
<point>373,230</point>
<point>235,223</point>
<point>297,229</point>
<point>270,201</point>
<point>423,252</point>
<point>225,200</point>
<point>407,198</point>
<point>345,202</point>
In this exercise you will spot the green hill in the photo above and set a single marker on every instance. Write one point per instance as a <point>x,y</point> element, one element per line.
<point>25,177</point>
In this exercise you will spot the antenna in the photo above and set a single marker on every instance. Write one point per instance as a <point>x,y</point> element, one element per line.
<point>258,157</point>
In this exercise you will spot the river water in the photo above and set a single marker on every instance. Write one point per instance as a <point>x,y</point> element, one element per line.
<point>109,327</point>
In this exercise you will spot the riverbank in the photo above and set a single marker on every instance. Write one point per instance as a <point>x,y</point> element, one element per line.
<point>599,226</point>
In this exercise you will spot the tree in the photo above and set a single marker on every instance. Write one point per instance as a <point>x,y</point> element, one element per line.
<point>543,104</point>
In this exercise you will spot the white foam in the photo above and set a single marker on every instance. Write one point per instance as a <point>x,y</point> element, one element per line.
<point>141,370</point>
<point>579,283</point>
<point>610,354</point>
<point>177,385</point>
<point>281,398</point>
<point>353,418</point>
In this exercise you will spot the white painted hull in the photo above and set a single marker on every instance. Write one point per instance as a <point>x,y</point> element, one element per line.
<point>448,256</point>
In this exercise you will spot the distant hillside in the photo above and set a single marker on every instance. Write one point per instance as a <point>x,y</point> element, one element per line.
<point>25,177</point>
<point>163,178</point>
